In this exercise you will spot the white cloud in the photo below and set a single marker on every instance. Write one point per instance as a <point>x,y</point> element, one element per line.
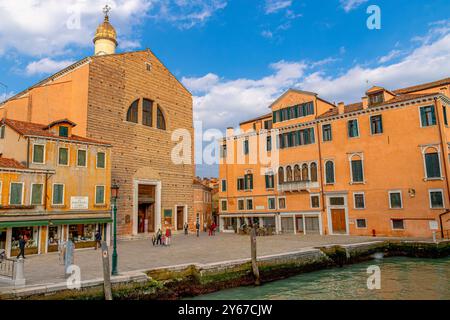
<point>46,66</point>
<point>390,56</point>
<point>349,5</point>
<point>50,27</point>
<point>267,34</point>
<point>228,101</point>
<point>273,6</point>
<point>223,103</point>
<point>6,95</point>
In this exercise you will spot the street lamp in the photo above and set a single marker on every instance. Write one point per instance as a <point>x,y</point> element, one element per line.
<point>114,195</point>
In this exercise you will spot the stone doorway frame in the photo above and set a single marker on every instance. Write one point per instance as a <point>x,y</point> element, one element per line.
<point>158,186</point>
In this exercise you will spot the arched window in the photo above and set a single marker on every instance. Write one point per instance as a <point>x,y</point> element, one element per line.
<point>356,167</point>
<point>280,175</point>
<point>147,113</point>
<point>305,174</point>
<point>289,174</point>
<point>297,173</point>
<point>329,172</point>
<point>313,169</point>
<point>432,163</point>
<point>132,114</point>
<point>161,121</point>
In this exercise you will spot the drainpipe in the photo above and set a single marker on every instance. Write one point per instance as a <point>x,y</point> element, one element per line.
<point>28,153</point>
<point>445,158</point>
<point>320,166</point>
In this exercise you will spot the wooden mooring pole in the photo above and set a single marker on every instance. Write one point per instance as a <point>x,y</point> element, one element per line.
<point>254,262</point>
<point>106,272</point>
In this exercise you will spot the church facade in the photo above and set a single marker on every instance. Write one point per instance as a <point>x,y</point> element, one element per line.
<point>133,102</point>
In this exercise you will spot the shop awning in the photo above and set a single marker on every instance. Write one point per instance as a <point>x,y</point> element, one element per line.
<point>18,224</point>
<point>80,221</point>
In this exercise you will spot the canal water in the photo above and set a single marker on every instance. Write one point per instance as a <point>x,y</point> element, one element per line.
<point>401,278</point>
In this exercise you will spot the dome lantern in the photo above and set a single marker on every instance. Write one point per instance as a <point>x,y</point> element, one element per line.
<point>105,40</point>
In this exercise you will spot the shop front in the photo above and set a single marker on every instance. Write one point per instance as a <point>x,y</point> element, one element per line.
<point>301,223</point>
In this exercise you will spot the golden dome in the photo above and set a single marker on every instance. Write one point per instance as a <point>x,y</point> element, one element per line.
<point>106,31</point>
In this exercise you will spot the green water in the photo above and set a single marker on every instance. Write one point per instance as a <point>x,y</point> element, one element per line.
<point>401,278</point>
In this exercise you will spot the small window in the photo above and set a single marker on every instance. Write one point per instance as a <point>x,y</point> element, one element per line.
<point>436,199</point>
<point>101,160</point>
<point>16,194</point>
<point>224,205</point>
<point>313,169</point>
<point>444,111</point>
<point>271,203</point>
<point>353,130</point>
<point>64,131</point>
<point>268,124</point>
<point>38,153</point>
<point>315,201</point>
<point>241,205</point>
<point>100,195</point>
<point>63,156</point>
<point>269,143</point>
<point>246,147</point>
<point>270,181</point>
<point>223,151</point>
<point>376,98</point>
<point>360,201</point>
<point>147,113</point>
<point>36,194</point>
<point>398,224</point>
<point>249,204</point>
<point>432,165</point>
<point>132,114</point>
<point>161,121</point>
<point>329,172</point>
<point>361,223</point>
<point>2,132</point>
<point>81,158</point>
<point>395,200</point>
<point>240,184</point>
<point>148,66</point>
<point>224,185</point>
<point>357,171</point>
<point>337,201</point>
<point>58,194</point>
<point>248,181</point>
<point>376,124</point>
<point>427,116</point>
<point>281,203</point>
<point>326,132</point>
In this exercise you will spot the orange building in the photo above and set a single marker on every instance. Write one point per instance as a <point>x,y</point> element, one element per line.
<point>54,185</point>
<point>376,167</point>
<point>202,204</point>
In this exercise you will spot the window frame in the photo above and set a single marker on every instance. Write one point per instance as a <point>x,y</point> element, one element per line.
<point>361,156</point>
<point>246,204</point>
<point>275,203</point>
<point>243,204</point>
<point>420,116</point>
<point>354,200</point>
<point>221,205</point>
<point>223,182</point>
<point>2,131</point>
<point>130,110</point>
<point>160,114</point>
<point>65,128</point>
<point>430,201</point>
<point>278,203</point>
<point>381,123</point>
<point>323,132</point>
<point>357,127</point>
<point>43,156</point>
<point>390,192</point>
<point>325,172</point>
<point>86,157</point>
<point>63,194</point>
<point>22,193</point>
<point>360,219</point>
<point>96,160</point>
<point>403,222</point>
<point>68,157</point>
<point>104,195</point>
<point>42,195</point>
<point>311,202</point>
<point>424,153</point>
<point>150,113</point>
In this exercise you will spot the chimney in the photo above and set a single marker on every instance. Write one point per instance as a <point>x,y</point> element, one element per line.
<point>230,131</point>
<point>341,107</point>
<point>365,102</point>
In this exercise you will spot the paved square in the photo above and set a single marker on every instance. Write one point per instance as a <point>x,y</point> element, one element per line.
<point>140,254</point>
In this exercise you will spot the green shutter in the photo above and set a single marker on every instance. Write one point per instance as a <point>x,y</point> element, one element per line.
<point>99,195</point>
<point>38,153</point>
<point>16,194</point>
<point>81,161</point>
<point>357,171</point>
<point>58,194</point>
<point>36,194</point>
<point>432,165</point>
<point>100,160</point>
<point>63,156</point>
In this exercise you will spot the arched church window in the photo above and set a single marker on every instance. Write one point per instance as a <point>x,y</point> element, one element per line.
<point>161,123</point>
<point>132,114</point>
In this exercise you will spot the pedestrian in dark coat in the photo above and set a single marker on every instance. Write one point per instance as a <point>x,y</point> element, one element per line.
<point>22,243</point>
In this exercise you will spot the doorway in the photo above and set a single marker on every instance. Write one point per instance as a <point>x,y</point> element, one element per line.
<point>146,209</point>
<point>338,221</point>
<point>299,224</point>
<point>3,239</point>
<point>180,218</point>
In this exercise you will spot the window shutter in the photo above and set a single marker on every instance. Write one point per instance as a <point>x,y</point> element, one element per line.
<point>432,165</point>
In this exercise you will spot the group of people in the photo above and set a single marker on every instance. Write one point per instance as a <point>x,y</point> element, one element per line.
<point>160,239</point>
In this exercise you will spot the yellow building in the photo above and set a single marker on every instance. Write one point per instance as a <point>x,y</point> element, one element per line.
<point>377,167</point>
<point>54,185</point>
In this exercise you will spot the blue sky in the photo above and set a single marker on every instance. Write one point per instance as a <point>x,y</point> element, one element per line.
<point>236,56</point>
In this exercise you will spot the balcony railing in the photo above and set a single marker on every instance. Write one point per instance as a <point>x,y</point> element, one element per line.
<point>297,186</point>
<point>7,267</point>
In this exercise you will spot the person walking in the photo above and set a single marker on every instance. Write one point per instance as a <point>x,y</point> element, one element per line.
<point>98,240</point>
<point>186,228</point>
<point>159,237</point>
<point>168,236</point>
<point>197,227</point>
<point>22,243</point>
